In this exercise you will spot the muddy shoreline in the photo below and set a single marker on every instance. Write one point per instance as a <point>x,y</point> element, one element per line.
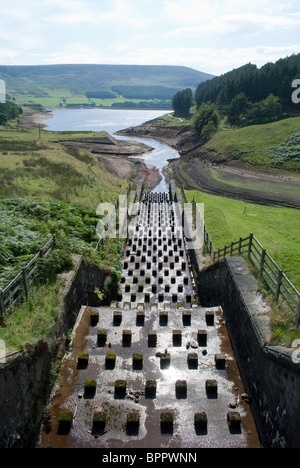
<point>120,158</point>
<point>36,120</point>
<point>199,169</point>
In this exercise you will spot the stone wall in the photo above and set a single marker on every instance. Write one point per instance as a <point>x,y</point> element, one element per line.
<point>24,377</point>
<point>271,378</point>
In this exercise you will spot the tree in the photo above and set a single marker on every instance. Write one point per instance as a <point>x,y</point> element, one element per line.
<point>271,107</point>
<point>206,120</point>
<point>182,102</point>
<point>257,84</point>
<point>9,111</point>
<point>209,130</point>
<point>236,111</point>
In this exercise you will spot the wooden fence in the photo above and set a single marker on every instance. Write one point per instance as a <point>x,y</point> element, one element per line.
<point>21,284</point>
<point>283,290</point>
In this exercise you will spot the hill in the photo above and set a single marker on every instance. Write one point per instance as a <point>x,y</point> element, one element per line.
<point>251,163</point>
<point>256,83</point>
<point>68,85</point>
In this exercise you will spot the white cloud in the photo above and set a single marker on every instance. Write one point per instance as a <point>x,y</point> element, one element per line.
<point>74,53</point>
<point>238,23</point>
<point>8,55</point>
<point>189,11</point>
<point>210,35</point>
<point>210,60</point>
<point>96,13</point>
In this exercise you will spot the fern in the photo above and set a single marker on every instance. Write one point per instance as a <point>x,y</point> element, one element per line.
<point>289,150</point>
<point>26,225</point>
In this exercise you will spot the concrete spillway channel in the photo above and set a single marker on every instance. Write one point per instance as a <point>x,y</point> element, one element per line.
<point>163,368</point>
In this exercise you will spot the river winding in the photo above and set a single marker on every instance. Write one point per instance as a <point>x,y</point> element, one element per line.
<point>112,121</point>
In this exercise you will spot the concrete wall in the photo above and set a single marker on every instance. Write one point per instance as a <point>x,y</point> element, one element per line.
<point>271,378</point>
<point>24,375</point>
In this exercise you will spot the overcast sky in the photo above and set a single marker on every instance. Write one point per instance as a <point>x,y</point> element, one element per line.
<point>213,36</point>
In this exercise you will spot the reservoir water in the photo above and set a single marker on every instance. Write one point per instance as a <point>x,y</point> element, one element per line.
<point>111,121</point>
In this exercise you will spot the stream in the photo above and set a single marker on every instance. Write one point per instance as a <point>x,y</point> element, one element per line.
<point>112,121</point>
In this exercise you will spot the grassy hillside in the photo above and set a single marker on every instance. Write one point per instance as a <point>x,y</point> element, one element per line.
<point>258,163</point>
<point>43,170</point>
<point>47,189</point>
<point>67,85</point>
<point>254,145</point>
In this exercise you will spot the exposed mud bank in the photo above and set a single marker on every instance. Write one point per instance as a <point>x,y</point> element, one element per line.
<point>36,120</point>
<point>199,169</point>
<point>121,158</point>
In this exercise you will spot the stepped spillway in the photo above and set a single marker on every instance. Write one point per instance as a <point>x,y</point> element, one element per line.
<point>163,366</point>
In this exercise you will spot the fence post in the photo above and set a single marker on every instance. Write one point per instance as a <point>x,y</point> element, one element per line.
<point>26,286</point>
<point>250,245</point>
<point>279,278</point>
<point>240,245</point>
<point>298,315</point>
<point>204,237</point>
<point>2,304</point>
<point>262,261</point>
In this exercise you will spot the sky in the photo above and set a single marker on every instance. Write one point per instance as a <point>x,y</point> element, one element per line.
<point>212,36</point>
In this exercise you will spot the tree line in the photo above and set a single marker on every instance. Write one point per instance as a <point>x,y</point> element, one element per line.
<point>244,96</point>
<point>9,111</point>
<point>145,92</point>
<point>257,84</point>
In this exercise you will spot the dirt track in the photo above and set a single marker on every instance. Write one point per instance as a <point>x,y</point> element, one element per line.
<point>197,169</point>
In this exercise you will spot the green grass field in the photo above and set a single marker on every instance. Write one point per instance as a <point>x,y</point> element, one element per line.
<point>276,228</point>
<point>64,98</point>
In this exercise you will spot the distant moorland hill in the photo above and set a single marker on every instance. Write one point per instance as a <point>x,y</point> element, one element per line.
<point>107,85</point>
